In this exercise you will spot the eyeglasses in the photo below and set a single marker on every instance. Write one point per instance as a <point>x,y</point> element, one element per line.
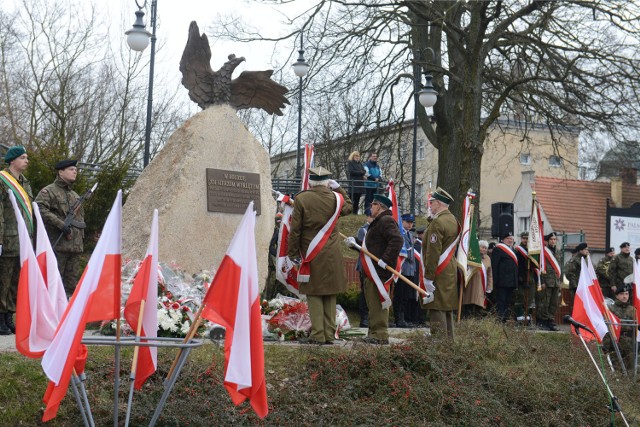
<point>375,204</point>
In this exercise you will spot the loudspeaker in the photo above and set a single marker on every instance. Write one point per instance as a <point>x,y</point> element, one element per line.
<point>501,219</point>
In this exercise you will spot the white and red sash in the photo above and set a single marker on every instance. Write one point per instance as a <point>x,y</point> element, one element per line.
<point>549,256</point>
<point>319,241</point>
<point>445,257</point>
<point>508,251</point>
<point>285,273</point>
<point>370,271</point>
<point>522,251</point>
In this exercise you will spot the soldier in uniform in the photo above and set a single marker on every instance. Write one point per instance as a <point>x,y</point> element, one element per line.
<point>626,312</point>
<point>440,273</point>
<point>402,292</point>
<point>314,238</point>
<point>383,239</point>
<point>55,201</point>
<point>524,297</point>
<point>573,267</point>
<point>602,272</point>
<point>550,283</point>
<point>621,266</point>
<point>12,179</point>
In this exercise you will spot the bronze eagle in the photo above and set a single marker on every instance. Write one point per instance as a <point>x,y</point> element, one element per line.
<point>252,89</point>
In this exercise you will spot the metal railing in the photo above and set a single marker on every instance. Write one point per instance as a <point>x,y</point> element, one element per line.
<point>292,185</point>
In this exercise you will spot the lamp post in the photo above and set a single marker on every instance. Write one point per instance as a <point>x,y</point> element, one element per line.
<point>138,40</point>
<point>427,97</point>
<point>300,68</point>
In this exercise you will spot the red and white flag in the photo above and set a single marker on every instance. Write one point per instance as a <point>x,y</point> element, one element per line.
<point>309,162</point>
<point>395,213</point>
<point>233,301</point>
<point>636,287</point>
<point>36,319</point>
<point>49,266</point>
<point>588,306</point>
<point>145,288</point>
<point>285,273</point>
<point>97,297</point>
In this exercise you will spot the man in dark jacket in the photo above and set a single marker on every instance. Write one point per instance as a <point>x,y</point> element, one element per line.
<point>504,264</point>
<point>383,239</point>
<point>621,266</point>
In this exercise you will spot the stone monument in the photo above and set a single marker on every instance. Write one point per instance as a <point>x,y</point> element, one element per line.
<point>202,180</point>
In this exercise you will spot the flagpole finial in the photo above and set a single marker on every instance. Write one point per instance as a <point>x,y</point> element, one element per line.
<point>533,193</point>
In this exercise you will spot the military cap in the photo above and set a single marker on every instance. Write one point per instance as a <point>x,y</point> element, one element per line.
<point>581,246</point>
<point>624,288</point>
<point>367,212</point>
<point>506,234</point>
<point>319,174</point>
<point>550,235</point>
<point>408,217</point>
<point>383,199</point>
<point>611,249</point>
<point>492,245</point>
<point>63,164</point>
<point>14,152</point>
<point>524,234</point>
<point>624,244</point>
<point>442,196</point>
<point>637,252</point>
<point>421,230</point>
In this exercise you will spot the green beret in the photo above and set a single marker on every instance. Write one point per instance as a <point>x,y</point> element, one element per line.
<point>383,199</point>
<point>14,152</point>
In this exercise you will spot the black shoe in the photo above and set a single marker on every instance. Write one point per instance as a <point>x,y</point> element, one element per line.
<point>364,323</point>
<point>402,324</point>
<point>375,341</point>
<point>4,330</point>
<point>310,341</point>
<point>8,317</point>
<point>551,325</point>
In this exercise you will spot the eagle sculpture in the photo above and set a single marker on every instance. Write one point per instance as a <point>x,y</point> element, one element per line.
<point>252,89</point>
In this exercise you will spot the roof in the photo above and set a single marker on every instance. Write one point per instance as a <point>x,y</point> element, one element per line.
<point>572,205</point>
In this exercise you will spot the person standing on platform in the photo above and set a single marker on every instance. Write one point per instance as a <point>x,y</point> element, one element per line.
<point>355,173</point>
<point>374,177</point>
<point>314,238</point>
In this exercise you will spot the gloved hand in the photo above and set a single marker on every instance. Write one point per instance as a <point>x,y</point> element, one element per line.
<point>429,285</point>
<point>333,184</point>
<point>350,242</point>
<point>277,194</point>
<point>382,264</point>
<point>427,299</point>
<point>66,230</point>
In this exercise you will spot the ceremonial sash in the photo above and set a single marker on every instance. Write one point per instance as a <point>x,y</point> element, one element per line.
<point>508,251</point>
<point>522,251</point>
<point>483,279</point>
<point>285,273</point>
<point>445,257</point>
<point>421,283</point>
<point>21,197</point>
<point>319,241</point>
<point>552,260</point>
<point>371,273</point>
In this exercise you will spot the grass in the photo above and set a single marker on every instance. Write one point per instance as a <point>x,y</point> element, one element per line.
<point>490,376</point>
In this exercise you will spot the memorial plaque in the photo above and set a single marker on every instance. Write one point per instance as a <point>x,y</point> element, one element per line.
<point>231,191</point>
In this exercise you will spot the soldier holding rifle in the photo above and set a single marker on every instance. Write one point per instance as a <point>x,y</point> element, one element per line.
<point>63,216</point>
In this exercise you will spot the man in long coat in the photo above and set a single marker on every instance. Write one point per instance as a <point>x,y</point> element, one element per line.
<point>504,264</point>
<point>314,238</point>
<point>440,241</point>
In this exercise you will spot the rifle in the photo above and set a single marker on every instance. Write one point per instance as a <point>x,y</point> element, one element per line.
<point>69,221</point>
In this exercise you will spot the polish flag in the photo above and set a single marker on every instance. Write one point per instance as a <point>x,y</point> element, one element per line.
<point>395,212</point>
<point>49,266</point>
<point>36,319</point>
<point>636,285</point>
<point>233,302</point>
<point>97,297</point>
<point>145,288</point>
<point>588,307</point>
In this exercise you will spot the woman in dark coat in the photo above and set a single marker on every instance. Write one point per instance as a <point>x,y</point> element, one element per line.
<point>355,173</point>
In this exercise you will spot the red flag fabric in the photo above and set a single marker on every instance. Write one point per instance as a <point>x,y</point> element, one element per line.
<point>588,306</point>
<point>36,319</point>
<point>636,283</point>
<point>97,297</point>
<point>233,302</point>
<point>309,161</point>
<point>145,288</point>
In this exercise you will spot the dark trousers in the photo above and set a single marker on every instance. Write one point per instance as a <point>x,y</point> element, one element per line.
<point>69,267</point>
<point>355,198</point>
<point>368,197</point>
<point>9,277</point>
<point>362,301</point>
<point>503,300</point>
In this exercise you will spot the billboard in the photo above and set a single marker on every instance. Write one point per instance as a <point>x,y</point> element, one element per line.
<point>623,225</point>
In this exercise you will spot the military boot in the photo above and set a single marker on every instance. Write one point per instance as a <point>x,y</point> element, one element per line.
<point>8,317</point>
<point>4,330</point>
<point>400,322</point>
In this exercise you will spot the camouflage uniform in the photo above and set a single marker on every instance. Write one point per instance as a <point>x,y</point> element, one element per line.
<point>10,258</point>
<point>624,311</point>
<point>621,266</point>
<point>602,272</point>
<point>547,303</point>
<point>572,273</point>
<point>55,201</point>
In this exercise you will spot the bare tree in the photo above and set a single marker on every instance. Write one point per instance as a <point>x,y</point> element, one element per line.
<point>563,64</point>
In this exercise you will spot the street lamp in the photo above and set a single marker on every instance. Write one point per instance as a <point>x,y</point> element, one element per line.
<point>138,40</point>
<point>300,68</point>
<point>427,96</point>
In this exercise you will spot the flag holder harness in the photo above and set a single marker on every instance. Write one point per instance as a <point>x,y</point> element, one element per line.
<point>614,407</point>
<point>185,349</point>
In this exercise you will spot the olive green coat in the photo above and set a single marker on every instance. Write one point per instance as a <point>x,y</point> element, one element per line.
<point>602,271</point>
<point>55,201</point>
<point>312,209</point>
<point>8,224</point>
<point>624,311</point>
<point>572,271</point>
<point>549,279</point>
<point>621,266</point>
<point>440,234</point>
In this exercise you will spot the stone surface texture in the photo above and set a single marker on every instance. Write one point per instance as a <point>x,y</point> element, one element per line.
<point>175,184</point>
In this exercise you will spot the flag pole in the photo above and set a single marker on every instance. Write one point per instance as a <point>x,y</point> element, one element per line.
<point>134,362</point>
<point>76,393</point>
<point>116,383</point>
<point>396,273</point>
<point>195,324</point>
<point>464,273</point>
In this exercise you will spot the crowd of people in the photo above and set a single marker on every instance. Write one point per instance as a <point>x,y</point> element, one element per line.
<point>64,224</point>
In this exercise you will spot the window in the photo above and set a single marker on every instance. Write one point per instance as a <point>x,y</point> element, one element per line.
<point>421,149</point>
<point>555,161</point>
<point>525,159</point>
<point>524,223</point>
